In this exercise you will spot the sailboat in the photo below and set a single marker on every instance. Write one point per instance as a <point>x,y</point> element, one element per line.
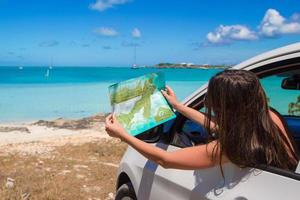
<point>134,66</point>
<point>48,70</point>
<point>50,66</point>
<point>47,73</point>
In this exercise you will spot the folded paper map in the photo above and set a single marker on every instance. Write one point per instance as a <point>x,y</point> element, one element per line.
<point>139,104</point>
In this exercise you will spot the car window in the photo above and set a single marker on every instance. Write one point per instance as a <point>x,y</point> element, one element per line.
<point>195,132</point>
<point>190,134</point>
<point>285,101</point>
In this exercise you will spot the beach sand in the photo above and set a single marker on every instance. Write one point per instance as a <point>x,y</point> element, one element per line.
<point>59,159</point>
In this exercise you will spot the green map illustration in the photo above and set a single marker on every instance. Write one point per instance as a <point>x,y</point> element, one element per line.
<point>139,104</point>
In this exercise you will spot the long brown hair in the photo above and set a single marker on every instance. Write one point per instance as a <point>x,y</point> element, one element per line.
<point>245,131</point>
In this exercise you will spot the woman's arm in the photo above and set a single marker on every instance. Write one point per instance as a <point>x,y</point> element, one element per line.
<point>196,157</point>
<point>188,112</point>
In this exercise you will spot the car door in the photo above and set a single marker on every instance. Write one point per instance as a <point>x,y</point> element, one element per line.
<point>247,183</point>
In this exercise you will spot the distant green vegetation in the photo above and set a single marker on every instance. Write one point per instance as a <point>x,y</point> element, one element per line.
<point>294,107</point>
<point>165,64</point>
<point>188,65</point>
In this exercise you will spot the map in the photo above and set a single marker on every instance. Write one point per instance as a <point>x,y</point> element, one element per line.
<point>139,104</point>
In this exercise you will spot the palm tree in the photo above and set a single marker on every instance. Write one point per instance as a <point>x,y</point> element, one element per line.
<point>294,108</point>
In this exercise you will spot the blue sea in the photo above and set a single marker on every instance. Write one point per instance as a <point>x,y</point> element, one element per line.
<point>34,93</point>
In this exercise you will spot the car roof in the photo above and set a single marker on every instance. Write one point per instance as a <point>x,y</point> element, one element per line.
<point>282,53</point>
<point>289,50</point>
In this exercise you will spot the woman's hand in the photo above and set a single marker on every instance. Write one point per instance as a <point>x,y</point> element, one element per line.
<point>113,127</point>
<point>170,96</point>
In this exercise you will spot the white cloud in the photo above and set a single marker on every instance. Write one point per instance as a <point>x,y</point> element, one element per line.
<point>274,24</point>
<point>102,5</point>
<point>136,33</point>
<point>228,34</point>
<point>106,31</point>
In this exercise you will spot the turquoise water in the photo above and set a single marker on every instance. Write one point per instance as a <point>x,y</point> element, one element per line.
<point>73,92</point>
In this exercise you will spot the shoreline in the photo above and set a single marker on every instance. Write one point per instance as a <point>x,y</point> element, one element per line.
<point>31,121</point>
<point>52,132</point>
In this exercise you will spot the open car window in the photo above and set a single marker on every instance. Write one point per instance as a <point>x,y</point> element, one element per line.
<point>191,134</point>
<point>285,101</point>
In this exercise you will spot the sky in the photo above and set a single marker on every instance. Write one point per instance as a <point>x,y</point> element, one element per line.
<point>105,32</point>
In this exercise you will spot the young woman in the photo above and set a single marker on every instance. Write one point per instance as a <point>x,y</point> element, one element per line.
<point>246,131</point>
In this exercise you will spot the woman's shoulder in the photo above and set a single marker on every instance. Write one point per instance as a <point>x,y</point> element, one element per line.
<point>277,119</point>
<point>275,116</point>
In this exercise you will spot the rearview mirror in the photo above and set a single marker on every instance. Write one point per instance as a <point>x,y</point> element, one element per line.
<point>291,83</point>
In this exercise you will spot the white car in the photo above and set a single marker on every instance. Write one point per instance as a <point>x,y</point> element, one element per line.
<point>142,179</point>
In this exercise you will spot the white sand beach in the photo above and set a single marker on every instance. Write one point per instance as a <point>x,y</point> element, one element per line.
<point>41,136</point>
